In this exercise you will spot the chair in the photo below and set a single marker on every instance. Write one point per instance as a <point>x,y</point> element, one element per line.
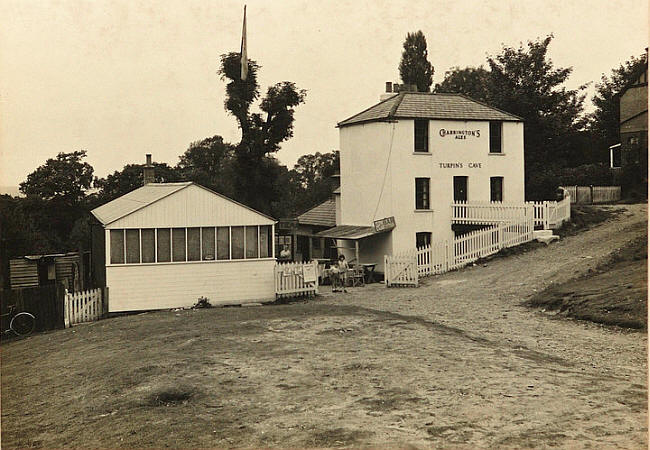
<point>357,275</point>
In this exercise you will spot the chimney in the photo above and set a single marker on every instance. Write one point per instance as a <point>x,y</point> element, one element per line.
<point>148,171</point>
<point>389,91</point>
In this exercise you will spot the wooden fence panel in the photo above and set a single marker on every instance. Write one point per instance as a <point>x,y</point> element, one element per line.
<point>46,303</point>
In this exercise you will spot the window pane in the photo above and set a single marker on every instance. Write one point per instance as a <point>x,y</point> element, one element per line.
<point>421,135</point>
<point>422,239</point>
<point>495,137</point>
<point>164,245</point>
<point>251,242</point>
<point>496,189</point>
<point>223,243</point>
<point>422,193</point>
<point>207,239</point>
<point>148,242</point>
<point>237,242</point>
<point>265,241</point>
<point>117,246</point>
<point>194,244</point>
<point>132,246</point>
<point>178,244</point>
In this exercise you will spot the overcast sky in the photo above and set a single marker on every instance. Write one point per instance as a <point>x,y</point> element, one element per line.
<point>121,78</point>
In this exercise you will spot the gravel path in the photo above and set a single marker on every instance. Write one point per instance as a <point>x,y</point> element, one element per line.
<point>571,382</point>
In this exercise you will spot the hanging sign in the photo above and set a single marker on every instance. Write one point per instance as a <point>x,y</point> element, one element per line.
<point>385,224</point>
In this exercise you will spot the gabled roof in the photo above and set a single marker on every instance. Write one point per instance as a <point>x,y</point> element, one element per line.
<point>145,196</point>
<point>322,215</point>
<point>424,105</point>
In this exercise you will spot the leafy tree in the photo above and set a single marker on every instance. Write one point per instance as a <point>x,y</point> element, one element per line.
<point>604,121</point>
<point>470,81</point>
<point>209,162</point>
<point>129,178</point>
<point>311,179</point>
<point>415,68</point>
<point>523,81</point>
<point>262,133</point>
<point>66,178</point>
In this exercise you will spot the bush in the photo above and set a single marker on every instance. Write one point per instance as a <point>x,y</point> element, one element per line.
<point>542,182</point>
<point>202,302</point>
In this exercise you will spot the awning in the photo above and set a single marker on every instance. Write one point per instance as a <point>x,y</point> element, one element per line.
<point>350,232</point>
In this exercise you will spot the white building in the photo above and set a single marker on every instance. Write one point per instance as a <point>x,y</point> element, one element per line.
<point>167,244</point>
<point>412,155</point>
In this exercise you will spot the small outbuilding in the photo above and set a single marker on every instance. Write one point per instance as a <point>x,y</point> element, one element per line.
<point>164,245</point>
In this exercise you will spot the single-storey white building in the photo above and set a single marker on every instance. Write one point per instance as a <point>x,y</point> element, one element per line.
<point>408,158</point>
<point>167,244</point>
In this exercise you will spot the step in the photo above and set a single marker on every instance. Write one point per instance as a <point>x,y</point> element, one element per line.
<point>542,233</point>
<point>548,239</point>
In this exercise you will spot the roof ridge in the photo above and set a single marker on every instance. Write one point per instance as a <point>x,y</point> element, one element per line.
<point>393,110</point>
<point>368,109</point>
<point>489,106</point>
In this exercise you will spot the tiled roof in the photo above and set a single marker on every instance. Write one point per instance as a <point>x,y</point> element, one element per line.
<point>134,200</point>
<point>322,215</point>
<point>422,105</point>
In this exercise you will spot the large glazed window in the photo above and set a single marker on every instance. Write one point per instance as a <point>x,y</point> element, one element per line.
<point>163,245</point>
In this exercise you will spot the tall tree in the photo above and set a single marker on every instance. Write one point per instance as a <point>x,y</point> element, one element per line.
<point>262,133</point>
<point>415,68</point>
<point>311,179</point>
<point>209,162</point>
<point>65,177</point>
<point>604,121</point>
<point>470,81</point>
<point>129,178</point>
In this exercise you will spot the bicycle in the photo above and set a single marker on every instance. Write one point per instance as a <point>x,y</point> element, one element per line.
<point>22,323</point>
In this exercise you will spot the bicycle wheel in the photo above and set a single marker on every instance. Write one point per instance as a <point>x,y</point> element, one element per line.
<point>23,323</point>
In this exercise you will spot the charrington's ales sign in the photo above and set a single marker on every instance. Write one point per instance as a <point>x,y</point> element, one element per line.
<point>460,134</point>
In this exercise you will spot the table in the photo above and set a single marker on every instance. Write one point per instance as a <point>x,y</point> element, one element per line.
<point>369,269</point>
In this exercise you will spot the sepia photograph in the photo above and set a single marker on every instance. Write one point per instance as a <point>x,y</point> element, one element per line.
<point>340,224</point>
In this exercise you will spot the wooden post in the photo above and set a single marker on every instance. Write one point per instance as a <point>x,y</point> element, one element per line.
<point>356,250</point>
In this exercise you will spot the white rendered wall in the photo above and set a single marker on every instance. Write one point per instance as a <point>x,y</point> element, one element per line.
<point>135,287</point>
<point>364,162</point>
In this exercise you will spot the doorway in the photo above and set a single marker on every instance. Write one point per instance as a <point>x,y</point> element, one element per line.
<point>460,189</point>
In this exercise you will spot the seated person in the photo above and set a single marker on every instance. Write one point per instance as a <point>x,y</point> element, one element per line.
<point>285,253</point>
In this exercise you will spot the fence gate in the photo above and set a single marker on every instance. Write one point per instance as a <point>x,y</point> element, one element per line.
<point>401,270</point>
<point>85,306</point>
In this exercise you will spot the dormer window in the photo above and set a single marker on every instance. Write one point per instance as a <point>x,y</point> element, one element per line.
<point>421,135</point>
<point>495,137</point>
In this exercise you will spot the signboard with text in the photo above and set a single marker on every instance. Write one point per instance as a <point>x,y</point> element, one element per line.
<point>385,224</point>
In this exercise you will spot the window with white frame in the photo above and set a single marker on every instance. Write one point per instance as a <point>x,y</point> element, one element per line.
<point>163,245</point>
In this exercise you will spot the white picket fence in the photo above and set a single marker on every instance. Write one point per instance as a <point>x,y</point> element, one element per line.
<point>85,306</point>
<point>401,270</point>
<point>404,269</point>
<point>594,194</point>
<point>290,279</point>
<point>488,212</point>
<point>551,214</point>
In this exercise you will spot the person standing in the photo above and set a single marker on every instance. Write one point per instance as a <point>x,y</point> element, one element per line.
<point>343,267</point>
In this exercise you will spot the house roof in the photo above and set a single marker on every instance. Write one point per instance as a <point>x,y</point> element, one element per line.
<point>424,105</point>
<point>322,215</point>
<point>145,196</point>
<point>349,232</point>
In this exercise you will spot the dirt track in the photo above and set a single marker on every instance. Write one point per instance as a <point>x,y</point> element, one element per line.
<point>456,362</point>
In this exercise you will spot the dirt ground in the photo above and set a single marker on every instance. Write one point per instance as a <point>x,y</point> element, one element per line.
<point>456,363</point>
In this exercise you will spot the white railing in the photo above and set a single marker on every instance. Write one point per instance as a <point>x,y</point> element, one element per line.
<point>401,270</point>
<point>488,212</point>
<point>404,269</point>
<point>593,194</point>
<point>296,279</point>
<point>85,306</point>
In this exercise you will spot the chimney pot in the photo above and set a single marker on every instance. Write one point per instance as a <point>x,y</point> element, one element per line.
<point>148,171</point>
